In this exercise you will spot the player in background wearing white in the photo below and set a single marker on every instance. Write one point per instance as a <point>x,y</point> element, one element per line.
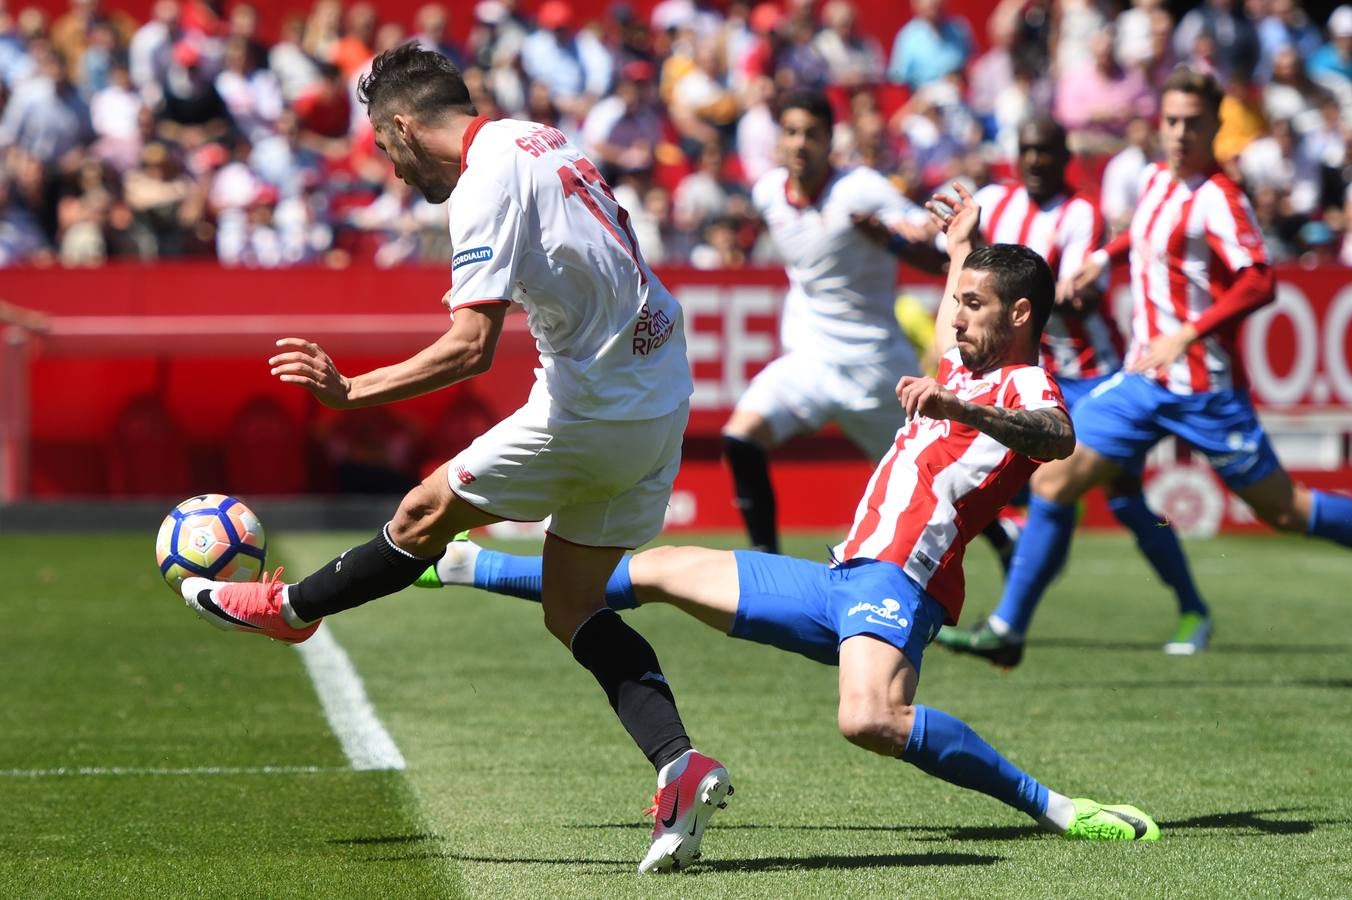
<point>839,232</point>
<point>1083,348</point>
<point>1198,268</point>
<point>971,437</point>
<point>596,446</point>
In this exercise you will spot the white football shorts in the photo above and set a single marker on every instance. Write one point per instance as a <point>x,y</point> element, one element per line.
<point>603,483</point>
<point>799,393</point>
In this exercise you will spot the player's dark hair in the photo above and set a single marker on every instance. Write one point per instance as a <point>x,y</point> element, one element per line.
<point>421,82</point>
<point>814,103</point>
<point>1016,271</point>
<point>1200,84</point>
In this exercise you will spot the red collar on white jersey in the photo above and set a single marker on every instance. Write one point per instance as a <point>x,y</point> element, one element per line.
<point>471,130</point>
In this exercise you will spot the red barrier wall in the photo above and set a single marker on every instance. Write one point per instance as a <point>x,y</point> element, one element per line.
<point>194,339</point>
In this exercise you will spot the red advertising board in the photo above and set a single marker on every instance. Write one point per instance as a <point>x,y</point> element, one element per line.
<point>194,339</point>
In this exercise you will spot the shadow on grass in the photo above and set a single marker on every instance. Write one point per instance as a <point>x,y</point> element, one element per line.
<point>386,839</point>
<point>925,832</point>
<point>759,864</point>
<point>1074,643</point>
<point>1248,820</point>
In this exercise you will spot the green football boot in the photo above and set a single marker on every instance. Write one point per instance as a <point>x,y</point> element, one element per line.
<point>461,560</point>
<point>1192,635</point>
<point>982,641</point>
<point>1096,822</point>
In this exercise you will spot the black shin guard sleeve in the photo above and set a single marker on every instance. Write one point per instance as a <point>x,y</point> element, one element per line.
<point>627,669</point>
<point>755,495</point>
<point>365,572</point>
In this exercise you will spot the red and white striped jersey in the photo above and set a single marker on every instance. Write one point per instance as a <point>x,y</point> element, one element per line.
<point>1064,231</point>
<point>942,482</point>
<point>1189,240</point>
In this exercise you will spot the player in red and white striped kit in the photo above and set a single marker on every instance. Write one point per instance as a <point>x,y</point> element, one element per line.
<point>1198,267</point>
<point>1083,348</point>
<point>972,435</point>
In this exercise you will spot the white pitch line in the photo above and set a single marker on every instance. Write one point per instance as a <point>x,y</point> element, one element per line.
<point>365,741</point>
<point>128,770</point>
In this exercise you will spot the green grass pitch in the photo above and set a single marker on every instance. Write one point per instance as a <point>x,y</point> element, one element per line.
<point>136,744</point>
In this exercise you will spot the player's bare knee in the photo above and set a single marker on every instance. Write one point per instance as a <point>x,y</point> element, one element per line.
<point>656,569</point>
<point>414,526</point>
<point>875,725</point>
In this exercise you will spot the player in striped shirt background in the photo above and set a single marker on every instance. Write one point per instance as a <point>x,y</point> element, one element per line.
<point>1082,347</point>
<point>1198,268</point>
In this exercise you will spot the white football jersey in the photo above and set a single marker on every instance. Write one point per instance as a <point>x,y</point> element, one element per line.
<point>533,222</point>
<point>842,286</point>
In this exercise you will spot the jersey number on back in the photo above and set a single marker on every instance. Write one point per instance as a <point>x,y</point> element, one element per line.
<point>578,182</point>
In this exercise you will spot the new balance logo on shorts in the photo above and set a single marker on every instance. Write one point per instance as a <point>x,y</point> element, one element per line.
<point>465,475</point>
<point>881,614</point>
<point>472,255</point>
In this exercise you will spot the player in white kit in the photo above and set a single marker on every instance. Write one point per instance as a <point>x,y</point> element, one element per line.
<point>843,348</point>
<point>596,447</point>
<point>972,437</point>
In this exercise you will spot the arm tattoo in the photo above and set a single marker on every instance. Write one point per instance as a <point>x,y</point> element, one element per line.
<point>1039,433</point>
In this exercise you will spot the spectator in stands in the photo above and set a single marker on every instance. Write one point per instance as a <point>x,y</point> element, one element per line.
<point>1096,100</point>
<point>719,248</point>
<point>251,94</point>
<point>357,45</point>
<point>1282,161</point>
<point>429,31</point>
<point>621,131</point>
<point>702,109</point>
<point>46,117</point>
<point>284,160</point>
<point>1075,23</point>
<point>1233,36</point>
<point>799,63</point>
<point>115,114</point>
<point>324,111</point>
<point>1290,93</point>
<point>1285,26</point>
<point>1121,182</point>
<point>21,235</point>
<point>1242,119</point>
<point>83,217</point>
<point>938,129</point>
<point>852,58</point>
<point>574,65</point>
<point>289,63</point>
<point>71,32</point>
<point>703,194</point>
<point>1331,64</point>
<point>150,53</point>
<point>191,111</point>
<point>993,71</point>
<point>1278,226</point>
<point>757,139</point>
<point>165,204</point>
<point>929,46</point>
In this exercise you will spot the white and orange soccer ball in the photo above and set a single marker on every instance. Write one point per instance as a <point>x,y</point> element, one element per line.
<point>211,536</point>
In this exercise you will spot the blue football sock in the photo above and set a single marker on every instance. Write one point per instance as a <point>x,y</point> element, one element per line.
<point>1331,517</point>
<point>1159,544</point>
<point>1040,554</point>
<point>948,748</point>
<point>523,576</point>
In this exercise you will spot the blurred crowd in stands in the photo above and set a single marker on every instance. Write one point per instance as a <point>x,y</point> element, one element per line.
<point>192,136</point>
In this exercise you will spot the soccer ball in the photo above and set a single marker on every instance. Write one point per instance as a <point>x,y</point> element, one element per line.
<point>211,536</point>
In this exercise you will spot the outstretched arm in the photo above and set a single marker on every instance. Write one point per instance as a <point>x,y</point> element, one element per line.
<point>960,219</point>
<point>1041,434</point>
<point>465,350</point>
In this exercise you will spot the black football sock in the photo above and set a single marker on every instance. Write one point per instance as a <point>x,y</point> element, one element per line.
<point>627,669</point>
<point>365,572</point>
<point>755,495</point>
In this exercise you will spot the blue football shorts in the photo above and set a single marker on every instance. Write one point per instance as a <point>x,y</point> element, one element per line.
<point>1128,414</point>
<point>810,608</point>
